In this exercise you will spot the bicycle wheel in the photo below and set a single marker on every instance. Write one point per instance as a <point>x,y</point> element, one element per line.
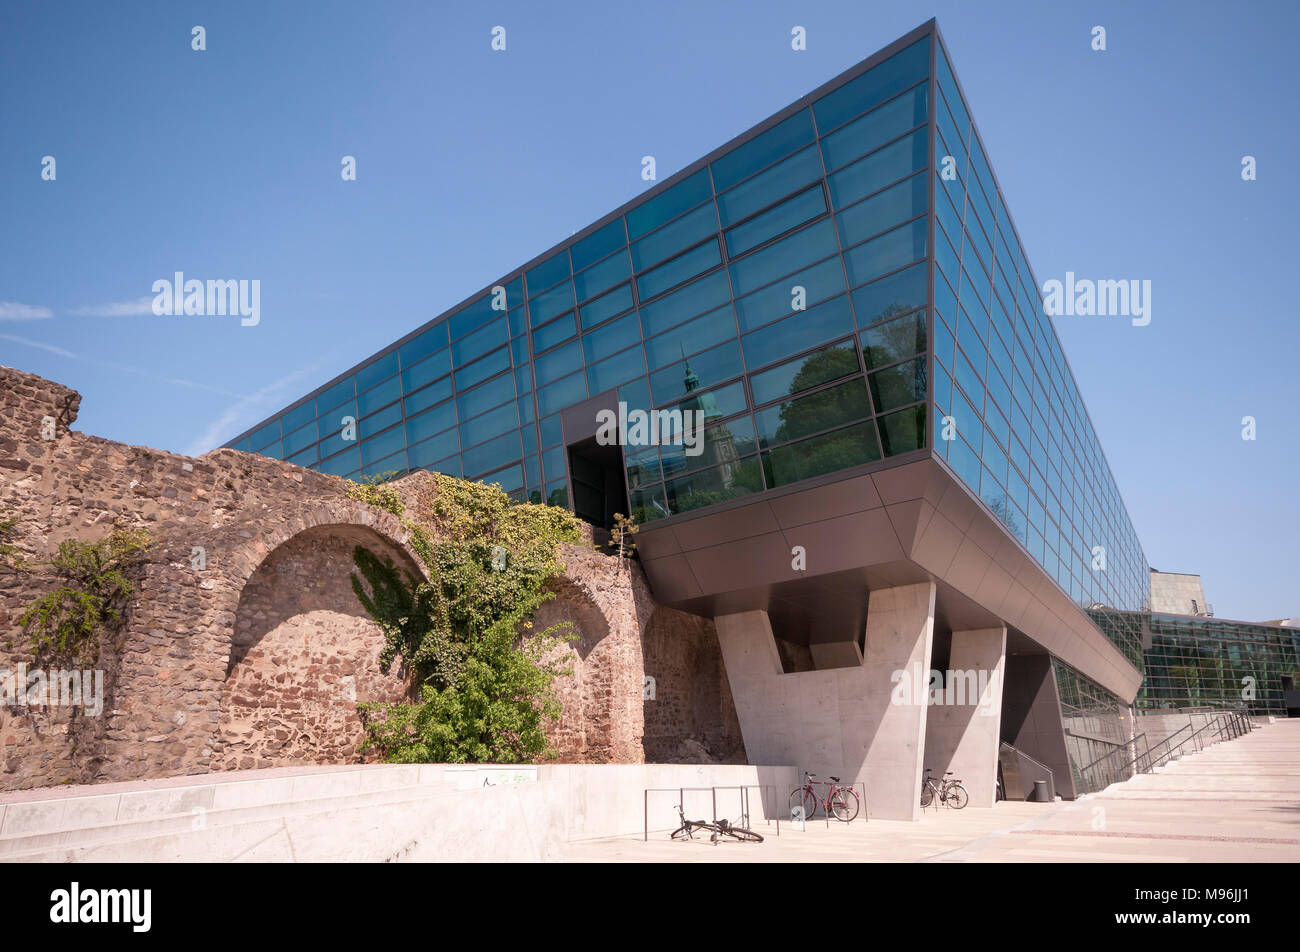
<point>684,832</point>
<point>845,804</point>
<point>927,795</point>
<point>803,799</point>
<point>956,796</point>
<point>742,835</point>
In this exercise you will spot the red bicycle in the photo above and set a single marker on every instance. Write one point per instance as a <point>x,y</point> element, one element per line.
<point>841,800</point>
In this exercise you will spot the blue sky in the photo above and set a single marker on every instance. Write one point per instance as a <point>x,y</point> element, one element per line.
<point>225,163</point>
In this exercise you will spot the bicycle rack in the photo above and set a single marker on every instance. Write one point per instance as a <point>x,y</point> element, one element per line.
<point>681,799</point>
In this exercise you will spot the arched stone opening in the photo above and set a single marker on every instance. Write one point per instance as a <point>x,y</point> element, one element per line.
<point>303,653</point>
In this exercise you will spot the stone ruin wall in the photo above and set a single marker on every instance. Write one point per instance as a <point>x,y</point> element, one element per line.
<point>258,659</point>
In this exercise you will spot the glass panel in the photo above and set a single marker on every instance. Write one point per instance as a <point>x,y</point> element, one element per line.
<point>891,250</point>
<point>771,186</point>
<point>883,210</point>
<point>428,396</point>
<point>877,84</point>
<point>490,424</point>
<point>879,169</point>
<point>510,479</point>
<point>704,331</point>
<point>904,431</point>
<point>551,271</point>
<point>718,444</point>
<point>385,444</point>
<point>598,244</point>
<point>432,340</point>
<point>776,221</point>
<point>671,239</point>
<point>551,304</point>
<point>343,464</point>
<point>491,455</point>
<point>265,435</point>
<point>378,397</point>
<point>679,269</point>
<point>890,342</point>
<point>557,494</point>
<point>695,298</point>
<point>492,393</point>
<point>806,328</point>
<point>606,306</point>
<point>899,385</point>
<point>381,368</point>
<point>551,430</point>
<point>295,441</point>
<point>557,363</point>
<point>561,394</point>
<point>604,275</point>
<point>706,369</point>
<point>430,422</point>
<point>298,416</point>
<point>763,150</point>
<point>413,378</point>
<point>804,373</point>
<point>818,282</point>
<point>813,243</point>
<point>894,294</point>
<point>876,128</point>
<point>544,338</point>
<point>728,481</point>
<point>668,205</point>
<point>480,370</point>
<point>841,403</point>
<point>480,342</point>
<point>840,449</point>
<point>615,370</point>
<point>611,338</point>
<point>341,391</point>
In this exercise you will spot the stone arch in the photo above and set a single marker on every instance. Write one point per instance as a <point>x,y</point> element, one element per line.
<point>591,699</point>
<point>182,644</point>
<point>303,653</point>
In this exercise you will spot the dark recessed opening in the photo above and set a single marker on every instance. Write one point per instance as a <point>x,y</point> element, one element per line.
<point>596,474</point>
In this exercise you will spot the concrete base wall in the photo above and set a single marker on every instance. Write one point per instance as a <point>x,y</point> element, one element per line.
<point>860,723</point>
<point>382,813</point>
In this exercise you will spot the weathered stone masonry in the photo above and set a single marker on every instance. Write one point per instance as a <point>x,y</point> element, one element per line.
<point>258,658</point>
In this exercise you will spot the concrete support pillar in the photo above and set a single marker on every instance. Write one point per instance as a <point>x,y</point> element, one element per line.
<point>886,720</point>
<point>843,721</point>
<point>963,728</point>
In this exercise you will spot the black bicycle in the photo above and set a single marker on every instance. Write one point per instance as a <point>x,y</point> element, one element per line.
<point>948,792</point>
<point>715,829</point>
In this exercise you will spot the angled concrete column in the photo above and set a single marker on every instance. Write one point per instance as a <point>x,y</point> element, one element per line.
<point>886,721</point>
<point>963,727</point>
<point>840,721</point>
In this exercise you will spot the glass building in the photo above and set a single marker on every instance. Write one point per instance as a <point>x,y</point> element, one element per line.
<point>842,295</point>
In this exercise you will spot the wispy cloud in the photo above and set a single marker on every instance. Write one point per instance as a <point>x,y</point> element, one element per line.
<point>112,365</point>
<point>140,307</point>
<point>15,311</point>
<point>246,410</point>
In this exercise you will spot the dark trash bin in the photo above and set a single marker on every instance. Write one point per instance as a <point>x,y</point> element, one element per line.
<point>1040,794</point>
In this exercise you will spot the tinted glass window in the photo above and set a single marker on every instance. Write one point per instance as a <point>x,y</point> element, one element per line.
<point>895,74</point>
<point>598,244</point>
<point>679,269</point>
<point>776,221</point>
<point>771,186</point>
<point>763,150</point>
<point>876,128</point>
<point>879,169</point>
<point>668,205</point>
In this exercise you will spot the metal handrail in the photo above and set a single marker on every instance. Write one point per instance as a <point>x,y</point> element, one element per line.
<point>1199,731</point>
<point>1021,753</point>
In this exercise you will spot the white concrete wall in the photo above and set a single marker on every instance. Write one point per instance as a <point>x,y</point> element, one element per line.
<point>379,813</point>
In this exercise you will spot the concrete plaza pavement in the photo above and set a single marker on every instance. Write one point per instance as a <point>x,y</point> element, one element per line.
<point>1237,801</point>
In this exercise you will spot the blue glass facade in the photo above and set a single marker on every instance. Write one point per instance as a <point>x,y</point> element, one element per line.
<point>779,287</point>
<point>1018,433</point>
<point>796,289</point>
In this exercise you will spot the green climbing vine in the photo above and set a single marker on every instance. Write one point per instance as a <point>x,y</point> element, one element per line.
<point>94,587</point>
<point>484,675</point>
